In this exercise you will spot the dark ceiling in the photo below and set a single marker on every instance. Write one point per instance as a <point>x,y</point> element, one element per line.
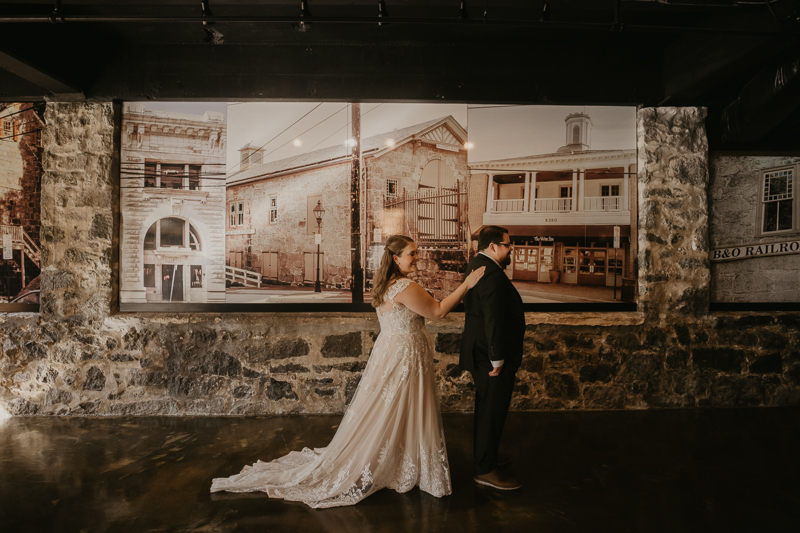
<point>634,52</point>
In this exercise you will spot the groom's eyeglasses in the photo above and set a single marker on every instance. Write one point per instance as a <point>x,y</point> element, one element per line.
<point>506,244</point>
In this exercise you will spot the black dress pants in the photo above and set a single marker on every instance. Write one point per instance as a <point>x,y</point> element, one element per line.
<point>492,400</point>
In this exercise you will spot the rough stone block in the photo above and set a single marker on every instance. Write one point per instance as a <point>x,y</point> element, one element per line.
<point>448,342</point>
<point>767,364</point>
<point>95,380</point>
<point>561,386</point>
<point>724,359</point>
<point>348,345</point>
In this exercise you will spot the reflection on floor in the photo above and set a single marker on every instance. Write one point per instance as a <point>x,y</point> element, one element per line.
<point>671,471</point>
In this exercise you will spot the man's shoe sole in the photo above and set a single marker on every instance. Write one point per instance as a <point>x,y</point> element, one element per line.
<point>493,486</point>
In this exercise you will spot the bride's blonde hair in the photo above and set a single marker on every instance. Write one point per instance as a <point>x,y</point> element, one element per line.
<point>388,271</point>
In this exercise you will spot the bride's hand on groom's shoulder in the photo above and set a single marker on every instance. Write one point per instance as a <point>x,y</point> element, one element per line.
<point>475,276</point>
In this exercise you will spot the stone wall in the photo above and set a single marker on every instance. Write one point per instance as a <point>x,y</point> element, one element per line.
<point>81,357</point>
<point>735,190</point>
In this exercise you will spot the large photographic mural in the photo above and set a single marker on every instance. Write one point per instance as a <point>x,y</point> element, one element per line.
<point>291,203</point>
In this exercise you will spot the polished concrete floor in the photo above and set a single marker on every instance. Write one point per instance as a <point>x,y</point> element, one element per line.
<point>670,471</point>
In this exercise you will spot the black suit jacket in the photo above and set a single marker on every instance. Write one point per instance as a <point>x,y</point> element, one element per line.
<point>494,324</point>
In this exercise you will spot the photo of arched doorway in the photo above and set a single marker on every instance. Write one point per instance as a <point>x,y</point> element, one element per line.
<point>173,261</point>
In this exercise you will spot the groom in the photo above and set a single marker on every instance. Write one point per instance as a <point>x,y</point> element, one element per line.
<point>491,349</point>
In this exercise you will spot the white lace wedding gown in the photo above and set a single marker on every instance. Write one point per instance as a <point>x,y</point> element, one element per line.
<point>391,435</point>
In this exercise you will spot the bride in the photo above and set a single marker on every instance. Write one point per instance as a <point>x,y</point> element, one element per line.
<point>391,435</point>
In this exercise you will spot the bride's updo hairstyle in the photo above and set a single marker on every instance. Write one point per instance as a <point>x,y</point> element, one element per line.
<point>388,271</point>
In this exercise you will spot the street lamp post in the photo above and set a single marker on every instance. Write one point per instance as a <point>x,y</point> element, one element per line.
<point>318,212</point>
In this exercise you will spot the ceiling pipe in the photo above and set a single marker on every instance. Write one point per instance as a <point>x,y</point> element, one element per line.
<point>552,24</point>
<point>764,102</point>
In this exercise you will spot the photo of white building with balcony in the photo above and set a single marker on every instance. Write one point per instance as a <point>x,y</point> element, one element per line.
<point>565,211</point>
<point>172,247</point>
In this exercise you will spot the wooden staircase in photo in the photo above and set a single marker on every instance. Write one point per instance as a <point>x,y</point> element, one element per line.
<point>21,241</point>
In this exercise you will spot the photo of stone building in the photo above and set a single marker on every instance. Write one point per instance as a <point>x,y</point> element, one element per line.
<point>20,193</point>
<point>172,245</point>
<point>412,182</point>
<point>754,228</point>
<point>570,211</point>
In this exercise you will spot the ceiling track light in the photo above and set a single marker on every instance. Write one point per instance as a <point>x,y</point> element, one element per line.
<point>462,11</point>
<point>304,14</point>
<point>382,11</point>
<point>212,35</point>
<point>206,12</point>
<point>545,17</point>
<point>56,17</point>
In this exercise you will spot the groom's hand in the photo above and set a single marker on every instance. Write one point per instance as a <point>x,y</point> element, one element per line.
<point>496,371</point>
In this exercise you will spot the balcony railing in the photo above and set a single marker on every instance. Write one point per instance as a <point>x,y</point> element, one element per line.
<point>553,205</point>
<point>602,203</point>
<point>508,206</point>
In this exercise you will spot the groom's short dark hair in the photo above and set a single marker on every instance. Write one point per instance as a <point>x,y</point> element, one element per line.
<point>490,234</point>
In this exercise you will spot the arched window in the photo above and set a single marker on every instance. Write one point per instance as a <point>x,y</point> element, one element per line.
<point>576,134</point>
<point>171,232</point>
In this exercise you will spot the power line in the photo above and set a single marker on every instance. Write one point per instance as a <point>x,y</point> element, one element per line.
<point>21,111</point>
<point>281,133</point>
<point>309,129</point>
<point>328,137</point>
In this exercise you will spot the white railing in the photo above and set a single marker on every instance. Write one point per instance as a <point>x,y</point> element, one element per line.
<point>602,203</point>
<point>508,206</point>
<point>553,205</point>
<point>15,231</point>
<point>244,276</point>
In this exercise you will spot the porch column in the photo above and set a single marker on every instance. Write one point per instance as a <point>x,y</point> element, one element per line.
<point>526,195</point>
<point>581,188</point>
<point>490,193</point>
<point>625,202</point>
<point>574,190</point>
<point>532,207</point>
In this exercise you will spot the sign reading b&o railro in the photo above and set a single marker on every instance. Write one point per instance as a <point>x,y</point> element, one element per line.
<point>755,250</point>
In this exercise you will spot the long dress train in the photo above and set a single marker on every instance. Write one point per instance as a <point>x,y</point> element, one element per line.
<point>391,435</point>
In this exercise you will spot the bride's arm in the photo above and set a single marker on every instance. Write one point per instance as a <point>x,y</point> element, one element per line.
<point>415,298</point>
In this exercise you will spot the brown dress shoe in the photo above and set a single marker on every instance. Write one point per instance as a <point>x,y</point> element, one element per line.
<point>497,480</point>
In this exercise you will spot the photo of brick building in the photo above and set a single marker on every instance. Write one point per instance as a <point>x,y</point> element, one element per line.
<point>409,176</point>
<point>754,228</point>
<point>20,194</point>
<point>172,245</point>
<point>563,207</point>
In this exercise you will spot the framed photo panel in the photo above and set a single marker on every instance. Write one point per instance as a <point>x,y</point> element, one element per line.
<point>20,195</point>
<point>260,206</point>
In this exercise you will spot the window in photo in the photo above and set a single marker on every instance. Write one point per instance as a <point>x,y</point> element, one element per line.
<point>196,276</point>
<point>777,209</point>
<point>391,189</point>
<point>273,209</point>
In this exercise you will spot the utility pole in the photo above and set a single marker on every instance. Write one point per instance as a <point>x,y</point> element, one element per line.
<point>357,287</point>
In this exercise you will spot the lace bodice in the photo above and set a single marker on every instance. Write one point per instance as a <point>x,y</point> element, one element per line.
<point>399,318</point>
